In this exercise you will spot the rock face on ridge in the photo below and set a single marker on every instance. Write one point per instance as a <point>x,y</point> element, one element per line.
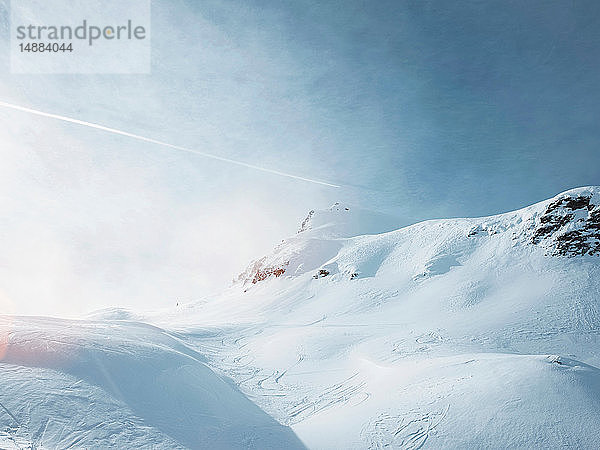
<point>318,238</point>
<point>570,225</point>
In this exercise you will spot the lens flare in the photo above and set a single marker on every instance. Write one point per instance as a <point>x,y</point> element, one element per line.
<point>6,323</point>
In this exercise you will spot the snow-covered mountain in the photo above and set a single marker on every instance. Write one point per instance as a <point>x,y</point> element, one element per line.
<point>567,225</point>
<point>455,333</point>
<point>450,333</point>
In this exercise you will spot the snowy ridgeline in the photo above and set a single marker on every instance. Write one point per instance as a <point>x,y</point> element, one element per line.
<point>459,333</point>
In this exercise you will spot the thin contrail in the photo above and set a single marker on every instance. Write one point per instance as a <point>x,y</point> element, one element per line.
<point>164,144</point>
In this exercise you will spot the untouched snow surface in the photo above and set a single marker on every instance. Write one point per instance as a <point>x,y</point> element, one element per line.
<point>458,333</point>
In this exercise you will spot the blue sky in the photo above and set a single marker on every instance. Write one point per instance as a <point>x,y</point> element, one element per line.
<point>456,108</point>
<point>418,109</point>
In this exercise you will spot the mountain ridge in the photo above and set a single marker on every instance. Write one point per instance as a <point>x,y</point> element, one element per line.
<point>567,224</point>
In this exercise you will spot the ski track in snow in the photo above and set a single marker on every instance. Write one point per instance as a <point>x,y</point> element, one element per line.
<point>408,431</point>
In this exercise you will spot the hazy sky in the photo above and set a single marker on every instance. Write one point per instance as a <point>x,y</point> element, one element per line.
<point>418,109</point>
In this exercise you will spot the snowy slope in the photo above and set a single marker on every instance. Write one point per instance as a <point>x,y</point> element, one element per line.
<point>467,401</point>
<point>456,333</point>
<point>101,384</point>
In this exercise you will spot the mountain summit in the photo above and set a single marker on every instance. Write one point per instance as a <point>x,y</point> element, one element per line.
<point>319,237</point>
<point>329,241</point>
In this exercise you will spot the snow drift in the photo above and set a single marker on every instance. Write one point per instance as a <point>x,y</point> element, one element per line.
<point>90,384</point>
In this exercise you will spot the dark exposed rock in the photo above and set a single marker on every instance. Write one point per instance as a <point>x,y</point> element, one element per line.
<point>551,224</point>
<point>263,274</point>
<point>305,225</point>
<point>473,232</point>
<point>571,203</point>
<point>321,273</point>
<point>573,243</point>
<point>594,219</point>
<point>565,235</point>
<point>259,271</point>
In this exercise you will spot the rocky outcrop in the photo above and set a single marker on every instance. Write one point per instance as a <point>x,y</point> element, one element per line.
<point>263,274</point>
<point>260,271</point>
<point>321,273</point>
<point>305,225</point>
<point>569,226</point>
